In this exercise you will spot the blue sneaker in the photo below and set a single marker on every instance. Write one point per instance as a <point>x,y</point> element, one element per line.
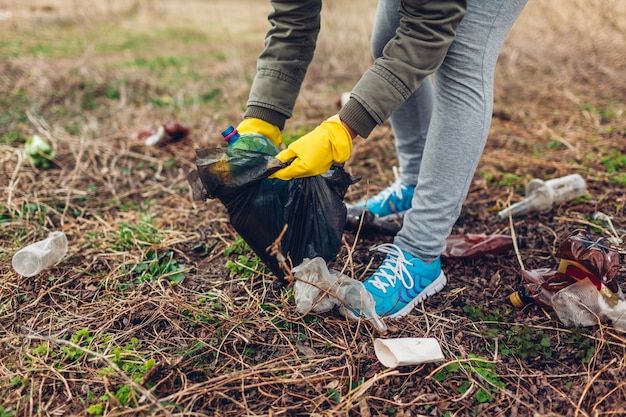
<point>402,281</point>
<point>391,203</point>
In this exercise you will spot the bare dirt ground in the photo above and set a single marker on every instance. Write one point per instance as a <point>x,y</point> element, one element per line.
<point>159,309</point>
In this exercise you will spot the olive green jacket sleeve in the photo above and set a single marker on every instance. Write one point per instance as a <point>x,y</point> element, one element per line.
<point>427,29</point>
<point>281,67</point>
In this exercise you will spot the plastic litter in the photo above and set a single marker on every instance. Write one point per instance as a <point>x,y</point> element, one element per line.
<point>5,15</point>
<point>542,195</point>
<point>539,286</point>
<point>407,351</point>
<point>344,98</point>
<point>260,207</point>
<point>318,289</point>
<point>366,223</point>
<point>464,245</point>
<point>40,255</point>
<point>584,256</point>
<point>473,245</point>
<point>583,289</point>
<point>581,304</point>
<point>249,141</point>
<point>165,134</point>
<point>39,152</point>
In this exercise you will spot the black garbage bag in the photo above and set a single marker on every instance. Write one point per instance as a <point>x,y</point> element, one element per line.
<point>259,207</point>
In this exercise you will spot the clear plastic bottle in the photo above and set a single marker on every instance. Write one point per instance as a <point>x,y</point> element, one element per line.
<point>359,303</point>
<point>38,256</point>
<point>249,141</point>
<point>542,195</point>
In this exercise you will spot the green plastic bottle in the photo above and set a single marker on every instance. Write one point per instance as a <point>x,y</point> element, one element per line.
<point>249,141</point>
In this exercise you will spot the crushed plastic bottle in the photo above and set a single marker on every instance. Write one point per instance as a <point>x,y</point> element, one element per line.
<point>542,195</point>
<point>318,289</point>
<point>583,288</point>
<point>583,256</point>
<point>249,141</point>
<point>38,256</point>
<point>473,245</point>
<point>539,285</point>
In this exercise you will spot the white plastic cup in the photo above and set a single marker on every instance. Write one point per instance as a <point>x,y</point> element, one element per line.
<point>38,256</point>
<point>407,351</point>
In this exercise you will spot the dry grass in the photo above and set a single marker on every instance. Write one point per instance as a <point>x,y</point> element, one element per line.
<point>112,330</point>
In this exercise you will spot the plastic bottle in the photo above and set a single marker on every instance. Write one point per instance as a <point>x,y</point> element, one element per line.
<point>368,224</point>
<point>539,285</point>
<point>531,293</point>
<point>319,289</point>
<point>40,255</point>
<point>542,195</point>
<point>584,256</point>
<point>472,245</point>
<point>359,303</point>
<point>583,289</point>
<point>249,142</point>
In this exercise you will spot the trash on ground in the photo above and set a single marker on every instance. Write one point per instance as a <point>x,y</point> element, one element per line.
<point>366,223</point>
<point>465,245</point>
<point>40,255</point>
<point>5,15</point>
<point>39,152</point>
<point>407,351</point>
<point>473,245</point>
<point>260,207</point>
<point>581,304</point>
<point>318,289</point>
<point>167,133</point>
<point>542,195</point>
<point>583,290</point>
<point>344,98</point>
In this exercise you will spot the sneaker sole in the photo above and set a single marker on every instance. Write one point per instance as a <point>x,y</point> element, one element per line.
<point>432,289</point>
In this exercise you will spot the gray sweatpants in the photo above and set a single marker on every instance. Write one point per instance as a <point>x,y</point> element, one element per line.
<point>442,128</point>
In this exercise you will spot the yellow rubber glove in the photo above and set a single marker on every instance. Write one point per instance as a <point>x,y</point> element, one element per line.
<point>261,127</point>
<point>315,152</point>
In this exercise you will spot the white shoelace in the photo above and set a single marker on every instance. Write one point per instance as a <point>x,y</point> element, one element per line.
<point>396,266</point>
<point>397,182</point>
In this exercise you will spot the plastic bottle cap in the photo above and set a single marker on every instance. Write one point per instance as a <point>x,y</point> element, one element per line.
<point>229,133</point>
<point>516,300</point>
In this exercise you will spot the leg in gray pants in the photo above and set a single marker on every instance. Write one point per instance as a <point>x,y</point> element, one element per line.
<point>442,129</point>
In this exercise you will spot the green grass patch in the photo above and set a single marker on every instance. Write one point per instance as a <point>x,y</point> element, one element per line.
<point>484,372</point>
<point>13,118</point>
<point>156,265</point>
<point>245,263</point>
